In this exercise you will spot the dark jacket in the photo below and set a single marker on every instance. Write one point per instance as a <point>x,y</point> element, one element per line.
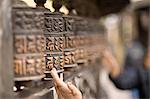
<point>134,75</point>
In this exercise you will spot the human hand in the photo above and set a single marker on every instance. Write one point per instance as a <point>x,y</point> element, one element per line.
<point>147,60</point>
<point>111,63</point>
<point>65,90</point>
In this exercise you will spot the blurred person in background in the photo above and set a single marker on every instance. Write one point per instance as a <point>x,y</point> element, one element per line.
<point>136,73</point>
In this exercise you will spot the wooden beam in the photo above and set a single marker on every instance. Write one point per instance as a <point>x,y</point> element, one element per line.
<point>6,52</point>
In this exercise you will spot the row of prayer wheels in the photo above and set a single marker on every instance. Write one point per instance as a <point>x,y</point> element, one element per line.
<point>43,40</point>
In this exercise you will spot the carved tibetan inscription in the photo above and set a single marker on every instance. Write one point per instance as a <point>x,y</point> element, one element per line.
<point>54,28</point>
<point>29,44</point>
<point>69,51</point>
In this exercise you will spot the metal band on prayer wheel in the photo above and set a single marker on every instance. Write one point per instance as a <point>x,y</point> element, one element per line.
<point>29,43</point>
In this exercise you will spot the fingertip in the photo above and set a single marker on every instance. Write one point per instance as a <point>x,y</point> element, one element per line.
<point>53,71</point>
<point>57,81</point>
<point>71,86</point>
<point>73,89</point>
<point>69,83</point>
<point>54,74</point>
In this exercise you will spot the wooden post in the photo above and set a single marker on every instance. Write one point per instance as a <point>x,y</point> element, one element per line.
<point>6,52</point>
<point>149,30</point>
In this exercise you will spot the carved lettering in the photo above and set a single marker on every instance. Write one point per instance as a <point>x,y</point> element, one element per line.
<point>18,67</point>
<point>69,24</point>
<point>58,24</point>
<point>62,61</point>
<point>31,44</point>
<point>50,43</point>
<point>49,62</point>
<point>69,57</point>
<point>27,20</point>
<point>20,44</point>
<point>55,43</point>
<point>30,63</point>
<point>40,43</point>
<point>40,64</point>
<point>61,43</point>
<point>54,61</point>
<point>53,24</point>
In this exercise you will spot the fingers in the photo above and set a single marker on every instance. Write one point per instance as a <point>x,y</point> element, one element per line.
<point>107,53</point>
<point>58,93</point>
<point>62,87</point>
<point>73,89</point>
<point>56,78</point>
<point>58,82</point>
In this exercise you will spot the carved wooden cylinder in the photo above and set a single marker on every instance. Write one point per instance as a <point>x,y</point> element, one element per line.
<point>29,43</point>
<point>69,48</point>
<point>81,40</point>
<point>54,31</point>
<point>95,42</point>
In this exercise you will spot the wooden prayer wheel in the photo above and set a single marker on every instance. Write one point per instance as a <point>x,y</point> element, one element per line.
<point>69,48</point>
<point>80,39</point>
<point>54,34</point>
<point>28,43</point>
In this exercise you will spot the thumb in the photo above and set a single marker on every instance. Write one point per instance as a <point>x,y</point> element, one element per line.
<point>73,89</point>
